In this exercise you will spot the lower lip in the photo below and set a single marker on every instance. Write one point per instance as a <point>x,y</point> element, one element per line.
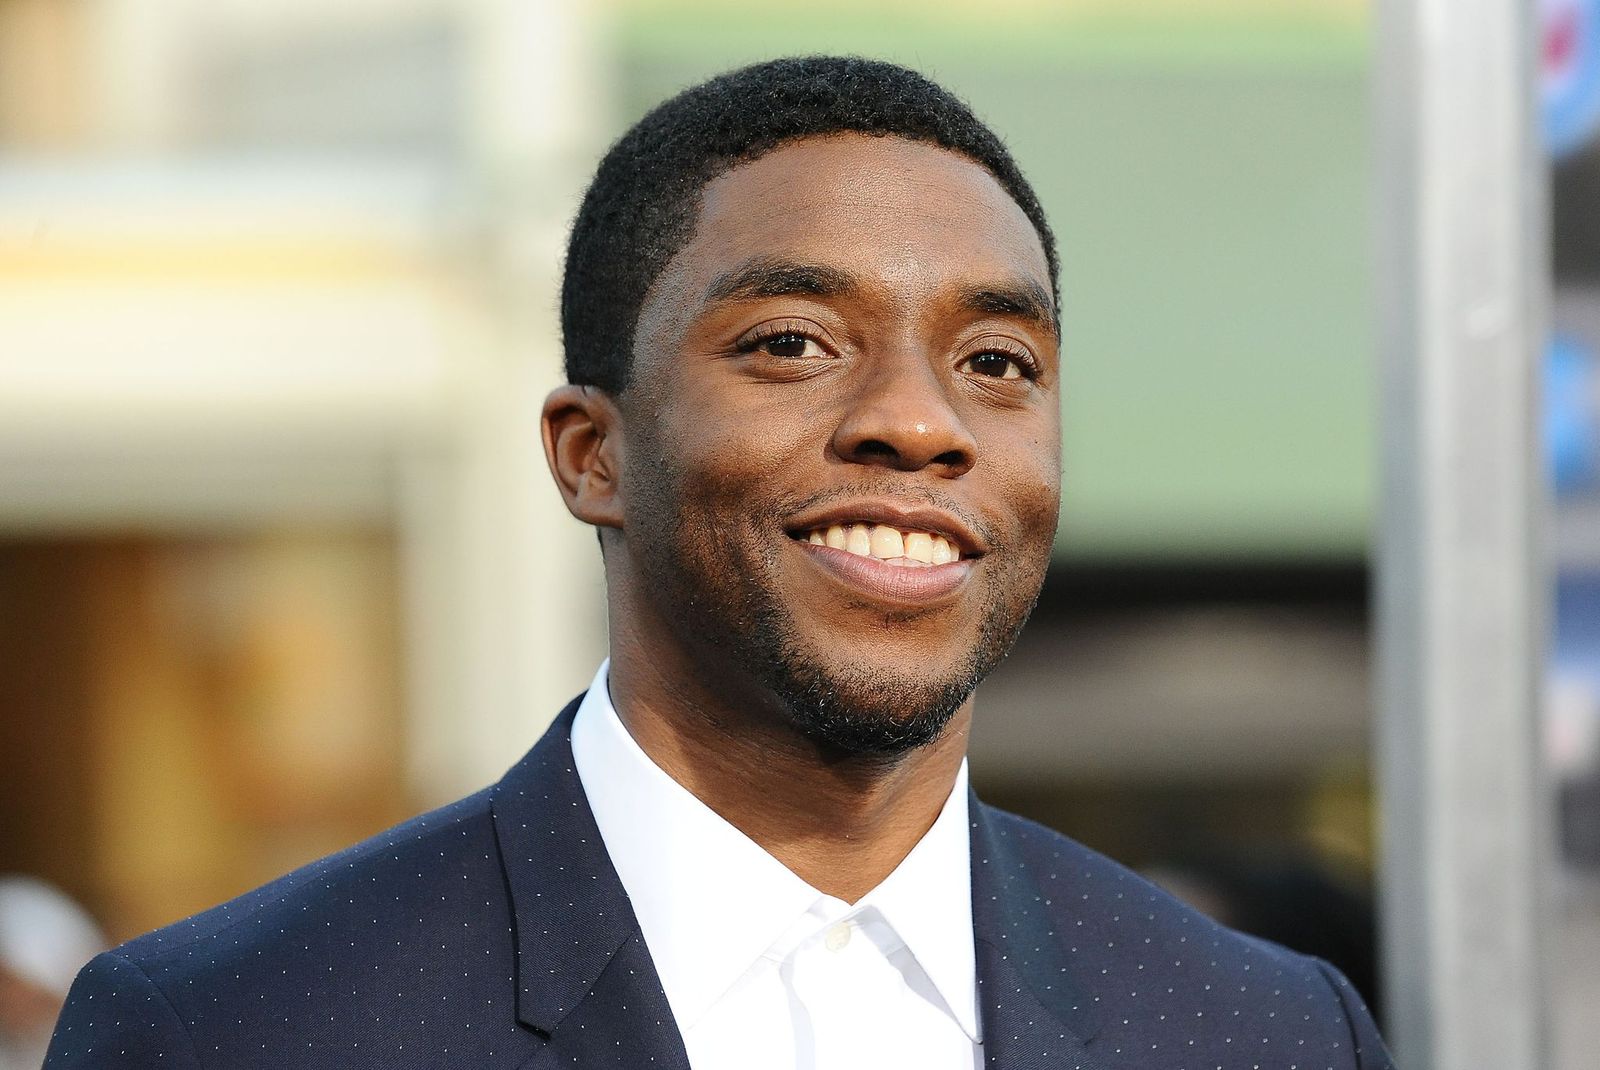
<point>892,583</point>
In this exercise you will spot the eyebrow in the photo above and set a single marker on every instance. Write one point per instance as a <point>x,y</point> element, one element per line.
<point>771,277</point>
<point>768,277</point>
<point>1025,300</point>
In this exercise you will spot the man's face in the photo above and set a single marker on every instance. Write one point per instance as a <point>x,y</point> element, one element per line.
<point>848,376</point>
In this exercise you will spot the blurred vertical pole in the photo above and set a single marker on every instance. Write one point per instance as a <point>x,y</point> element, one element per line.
<point>506,609</point>
<point>1459,592</point>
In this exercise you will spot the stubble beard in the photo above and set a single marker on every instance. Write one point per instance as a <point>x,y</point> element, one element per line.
<point>724,596</point>
<point>866,712</point>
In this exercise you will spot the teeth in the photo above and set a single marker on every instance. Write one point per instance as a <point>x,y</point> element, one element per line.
<point>858,541</point>
<point>886,543</point>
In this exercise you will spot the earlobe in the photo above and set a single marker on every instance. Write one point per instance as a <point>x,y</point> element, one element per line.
<point>581,428</point>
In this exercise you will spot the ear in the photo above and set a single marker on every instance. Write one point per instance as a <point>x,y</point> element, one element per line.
<point>581,426</point>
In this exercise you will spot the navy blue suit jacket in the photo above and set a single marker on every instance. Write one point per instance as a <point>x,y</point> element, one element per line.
<point>494,933</point>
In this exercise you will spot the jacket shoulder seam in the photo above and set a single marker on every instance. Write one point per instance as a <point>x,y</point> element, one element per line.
<point>166,1001</point>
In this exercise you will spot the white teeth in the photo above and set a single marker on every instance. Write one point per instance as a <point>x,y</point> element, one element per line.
<point>886,543</point>
<point>858,540</point>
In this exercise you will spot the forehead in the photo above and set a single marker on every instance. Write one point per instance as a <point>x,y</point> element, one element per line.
<point>908,213</point>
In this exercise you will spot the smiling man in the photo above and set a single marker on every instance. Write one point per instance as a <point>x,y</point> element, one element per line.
<point>813,357</point>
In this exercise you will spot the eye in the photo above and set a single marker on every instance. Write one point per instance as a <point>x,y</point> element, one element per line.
<point>789,344</point>
<point>785,341</point>
<point>995,364</point>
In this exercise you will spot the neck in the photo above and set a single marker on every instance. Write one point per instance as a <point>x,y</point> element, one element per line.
<point>842,823</point>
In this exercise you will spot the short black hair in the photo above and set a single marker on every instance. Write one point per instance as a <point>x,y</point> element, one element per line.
<point>641,208</point>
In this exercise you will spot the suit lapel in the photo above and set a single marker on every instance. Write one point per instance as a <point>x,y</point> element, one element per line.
<point>1035,1014</point>
<point>586,984</point>
<point>584,978</point>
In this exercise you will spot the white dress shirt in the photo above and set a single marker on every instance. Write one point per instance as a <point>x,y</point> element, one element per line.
<point>761,969</point>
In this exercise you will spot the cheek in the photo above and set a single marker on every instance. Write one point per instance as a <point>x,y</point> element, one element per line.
<point>1045,500</point>
<point>1027,473</point>
<point>710,475</point>
<point>743,436</point>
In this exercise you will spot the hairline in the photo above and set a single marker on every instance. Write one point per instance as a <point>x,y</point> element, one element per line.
<point>720,167</point>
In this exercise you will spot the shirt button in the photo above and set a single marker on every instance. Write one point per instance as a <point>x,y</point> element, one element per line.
<point>837,937</point>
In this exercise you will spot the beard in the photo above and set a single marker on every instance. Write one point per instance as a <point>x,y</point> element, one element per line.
<point>858,710</point>
<point>719,588</point>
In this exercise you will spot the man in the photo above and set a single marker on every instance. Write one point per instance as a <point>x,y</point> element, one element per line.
<point>811,333</point>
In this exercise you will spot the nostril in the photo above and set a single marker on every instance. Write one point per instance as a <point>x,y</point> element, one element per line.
<point>874,447</point>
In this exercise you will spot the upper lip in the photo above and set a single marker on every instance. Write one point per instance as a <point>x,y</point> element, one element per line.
<point>893,514</point>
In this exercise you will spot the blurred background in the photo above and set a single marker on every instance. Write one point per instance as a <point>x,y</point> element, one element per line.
<point>280,564</point>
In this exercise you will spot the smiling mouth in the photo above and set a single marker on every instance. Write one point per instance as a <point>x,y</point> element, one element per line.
<point>892,546</point>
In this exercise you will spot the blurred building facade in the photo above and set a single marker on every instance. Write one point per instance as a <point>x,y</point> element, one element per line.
<point>277,322</point>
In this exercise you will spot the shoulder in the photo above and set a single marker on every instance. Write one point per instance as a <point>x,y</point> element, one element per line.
<point>335,948</point>
<point>1098,907</point>
<point>378,879</point>
<point>1160,974</point>
<point>1103,896</point>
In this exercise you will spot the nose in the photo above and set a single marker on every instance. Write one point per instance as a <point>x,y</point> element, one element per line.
<point>900,417</point>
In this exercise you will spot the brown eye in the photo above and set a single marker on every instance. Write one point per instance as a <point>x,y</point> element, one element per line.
<point>792,345</point>
<point>786,345</point>
<point>995,365</point>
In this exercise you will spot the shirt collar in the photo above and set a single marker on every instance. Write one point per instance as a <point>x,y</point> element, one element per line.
<point>710,901</point>
<point>928,902</point>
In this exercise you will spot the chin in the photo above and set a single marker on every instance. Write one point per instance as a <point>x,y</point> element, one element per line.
<point>880,699</point>
<point>884,688</point>
<point>869,711</point>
